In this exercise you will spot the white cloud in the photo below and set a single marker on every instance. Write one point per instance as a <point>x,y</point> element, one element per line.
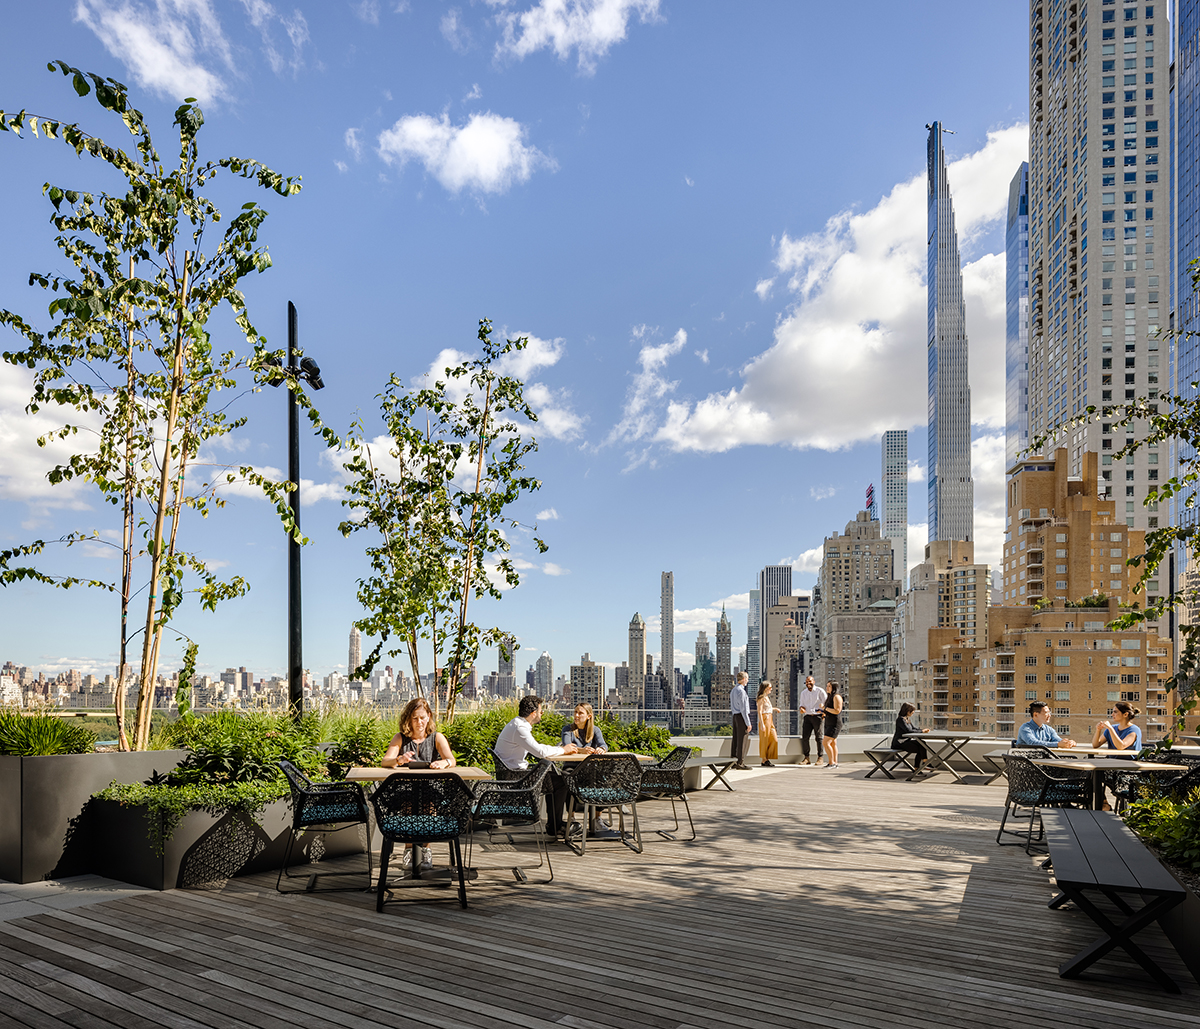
<point>556,418</point>
<point>367,11</point>
<point>487,155</point>
<point>987,469</point>
<point>475,94</point>
<point>341,166</point>
<point>163,43</point>
<point>918,536</point>
<point>764,287</point>
<point>454,32</point>
<point>262,16</point>
<point>25,464</point>
<point>702,354</point>
<point>916,470</point>
<point>690,182</point>
<point>822,492</point>
<point>549,515</point>
<point>693,619</point>
<point>649,386</point>
<point>353,143</point>
<point>589,27</point>
<point>807,561</point>
<point>853,343</point>
<point>550,568</point>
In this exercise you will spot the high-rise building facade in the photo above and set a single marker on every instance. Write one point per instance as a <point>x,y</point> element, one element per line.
<point>894,486</point>
<point>1098,226</point>
<point>637,661</point>
<point>722,681</point>
<point>543,676</point>
<point>951,490</point>
<point>667,632</point>
<point>754,639</point>
<point>354,659</point>
<point>587,683</point>
<point>1016,317</point>
<point>774,581</point>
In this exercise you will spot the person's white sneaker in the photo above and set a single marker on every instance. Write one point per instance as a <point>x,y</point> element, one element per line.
<point>426,858</point>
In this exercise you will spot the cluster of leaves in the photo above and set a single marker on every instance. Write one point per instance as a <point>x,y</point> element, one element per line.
<point>39,734</point>
<point>228,747</point>
<point>166,804</point>
<point>358,738</point>
<point>1172,825</point>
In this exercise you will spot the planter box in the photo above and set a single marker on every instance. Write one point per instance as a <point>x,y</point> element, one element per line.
<point>44,830</point>
<point>207,848</point>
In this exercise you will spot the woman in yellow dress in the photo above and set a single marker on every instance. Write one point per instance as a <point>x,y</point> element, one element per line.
<point>768,739</point>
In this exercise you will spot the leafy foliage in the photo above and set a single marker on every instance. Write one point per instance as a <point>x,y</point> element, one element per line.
<point>228,747</point>
<point>435,502</point>
<point>1172,825</point>
<point>166,805</point>
<point>38,734</point>
<point>129,352</point>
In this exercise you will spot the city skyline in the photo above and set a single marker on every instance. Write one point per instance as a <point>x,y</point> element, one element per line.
<point>710,312</point>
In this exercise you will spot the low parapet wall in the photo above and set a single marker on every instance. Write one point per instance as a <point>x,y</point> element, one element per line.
<point>850,747</point>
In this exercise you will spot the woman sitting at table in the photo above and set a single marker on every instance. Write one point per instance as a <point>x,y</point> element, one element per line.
<point>1120,733</point>
<point>903,728</point>
<point>583,732</point>
<point>418,741</point>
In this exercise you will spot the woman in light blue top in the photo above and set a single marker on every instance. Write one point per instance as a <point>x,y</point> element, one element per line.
<point>1120,733</point>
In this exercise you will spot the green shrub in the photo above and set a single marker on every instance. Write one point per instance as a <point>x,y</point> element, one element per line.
<point>1173,826</point>
<point>166,805</point>
<point>37,735</point>
<point>228,747</point>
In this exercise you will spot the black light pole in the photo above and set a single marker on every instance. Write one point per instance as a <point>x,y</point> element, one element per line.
<point>297,369</point>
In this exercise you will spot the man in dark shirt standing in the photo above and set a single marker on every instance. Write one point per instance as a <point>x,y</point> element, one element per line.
<point>739,703</point>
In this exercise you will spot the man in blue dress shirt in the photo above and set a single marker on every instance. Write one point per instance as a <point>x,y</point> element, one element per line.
<point>1037,732</point>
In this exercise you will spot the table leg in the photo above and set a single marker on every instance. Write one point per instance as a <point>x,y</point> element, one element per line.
<point>718,771</point>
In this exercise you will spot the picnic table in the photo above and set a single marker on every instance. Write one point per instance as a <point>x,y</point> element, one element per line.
<point>1099,765</point>
<point>1095,851</point>
<point>945,744</point>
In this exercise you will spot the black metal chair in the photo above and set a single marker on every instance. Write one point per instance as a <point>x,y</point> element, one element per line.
<point>412,809</point>
<point>501,807</point>
<point>1130,786</point>
<point>322,807</point>
<point>664,781</point>
<point>1032,787</point>
<point>505,774</point>
<point>604,781</point>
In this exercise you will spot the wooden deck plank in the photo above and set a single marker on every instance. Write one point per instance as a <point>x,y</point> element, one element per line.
<point>810,899</point>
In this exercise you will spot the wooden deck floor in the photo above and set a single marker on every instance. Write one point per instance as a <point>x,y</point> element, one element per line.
<point>812,898</point>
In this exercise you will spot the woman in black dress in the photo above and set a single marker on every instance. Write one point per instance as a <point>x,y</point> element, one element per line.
<point>833,718</point>
<point>418,743</point>
<point>904,726</point>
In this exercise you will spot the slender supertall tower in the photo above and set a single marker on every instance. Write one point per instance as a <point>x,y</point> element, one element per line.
<point>667,657</point>
<point>1016,327</point>
<point>951,491</point>
<point>894,487</point>
<point>355,657</point>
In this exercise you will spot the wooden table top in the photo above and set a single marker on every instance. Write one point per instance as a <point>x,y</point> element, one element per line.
<point>567,758</point>
<point>379,774</point>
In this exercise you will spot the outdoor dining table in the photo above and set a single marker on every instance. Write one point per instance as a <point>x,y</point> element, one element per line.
<point>1099,765</point>
<point>571,758</point>
<point>945,744</point>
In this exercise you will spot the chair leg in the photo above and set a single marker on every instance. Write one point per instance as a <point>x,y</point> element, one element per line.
<point>287,857</point>
<point>385,853</point>
<point>688,808</point>
<point>637,830</point>
<point>456,855</point>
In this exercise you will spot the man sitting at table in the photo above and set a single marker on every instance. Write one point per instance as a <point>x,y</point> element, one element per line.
<point>516,740</point>
<point>1038,732</point>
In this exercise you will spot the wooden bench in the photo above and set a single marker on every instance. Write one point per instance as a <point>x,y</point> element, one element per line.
<point>888,759</point>
<point>1095,852</point>
<point>717,765</point>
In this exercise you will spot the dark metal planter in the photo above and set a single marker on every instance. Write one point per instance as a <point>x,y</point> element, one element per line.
<point>44,830</point>
<point>207,848</point>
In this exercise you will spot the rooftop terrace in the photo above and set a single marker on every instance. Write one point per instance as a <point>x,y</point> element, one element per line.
<point>811,898</point>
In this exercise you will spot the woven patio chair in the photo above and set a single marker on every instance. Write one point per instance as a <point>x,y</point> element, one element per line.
<point>322,807</point>
<point>411,809</point>
<point>501,807</point>
<point>1127,787</point>
<point>504,773</point>
<point>604,781</point>
<point>664,781</point>
<point>1032,787</point>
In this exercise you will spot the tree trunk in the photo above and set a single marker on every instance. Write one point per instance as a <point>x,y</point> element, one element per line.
<point>126,534</point>
<point>145,706</point>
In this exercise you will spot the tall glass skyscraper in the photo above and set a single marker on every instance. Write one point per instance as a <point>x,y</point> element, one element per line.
<point>951,490</point>
<point>666,656</point>
<point>1098,230</point>
<point>1016,335</point>
<point>894,486</point>
<point>754,639</point>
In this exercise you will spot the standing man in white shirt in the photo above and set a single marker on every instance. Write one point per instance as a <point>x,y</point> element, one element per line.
<point>516,740</point>
<point>739,704</point>
<point>811,704</point>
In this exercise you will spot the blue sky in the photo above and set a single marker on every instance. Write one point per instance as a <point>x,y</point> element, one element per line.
<point>709,218</point>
